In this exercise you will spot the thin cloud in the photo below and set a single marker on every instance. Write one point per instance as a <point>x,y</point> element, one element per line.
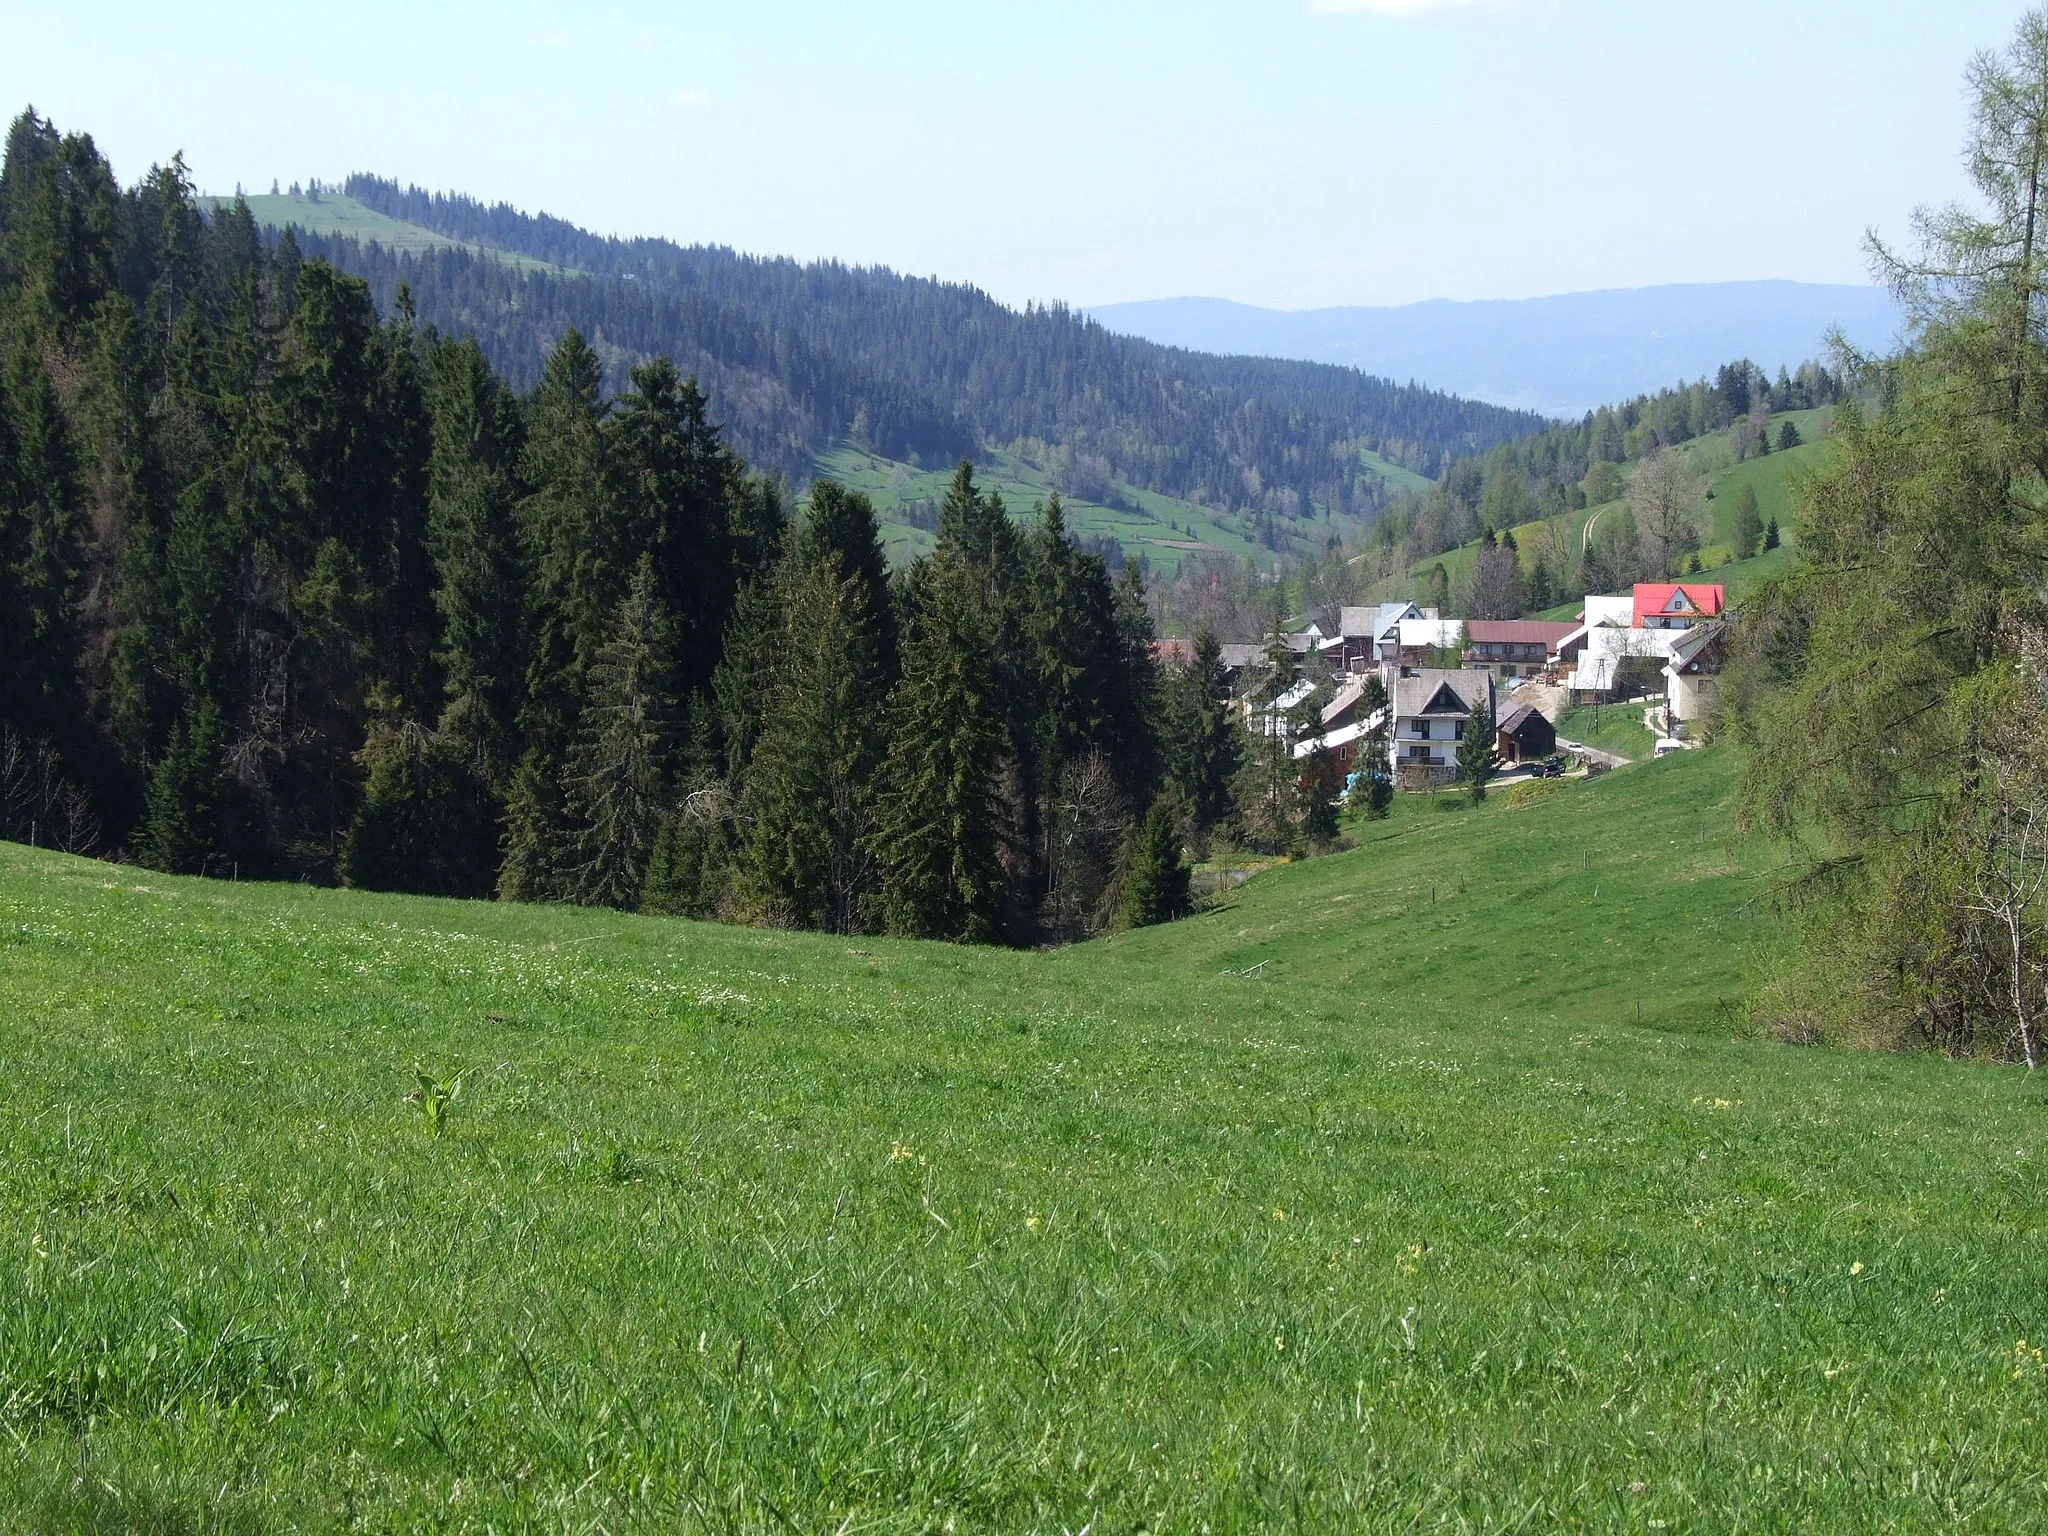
<point>692,101</point>
<point>1401,7</point>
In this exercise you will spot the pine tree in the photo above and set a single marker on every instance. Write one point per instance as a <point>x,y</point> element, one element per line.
<point>1748,522</point>
<point>810,788</point>
<point>1372,787</point>
<point>1156,886</point>
<point>1478,757</point>
<point>1204,740</point>
<point>620,775</point>
<point>940,821</point>
<point>1788,435</point>
<point>1319,788</point>
<point>472,497</point>
<point>1771,533</point>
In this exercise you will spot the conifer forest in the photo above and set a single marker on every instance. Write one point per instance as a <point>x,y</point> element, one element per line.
<point>302,587</point>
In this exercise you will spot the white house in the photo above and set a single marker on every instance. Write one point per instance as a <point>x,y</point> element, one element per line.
<point>1692,677</point>
<point>1611,636</point>
<point>1430,708</point>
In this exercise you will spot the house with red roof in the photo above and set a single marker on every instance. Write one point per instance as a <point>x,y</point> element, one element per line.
<point>1675,605</point>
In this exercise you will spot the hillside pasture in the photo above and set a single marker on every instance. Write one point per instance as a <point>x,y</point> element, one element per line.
<point>1437,1185</point>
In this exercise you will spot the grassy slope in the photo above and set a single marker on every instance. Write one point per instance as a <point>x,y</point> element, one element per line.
<point>336,214</point>
<point>1772,477</point>
<point>1165,529</point>
<point>1159,529</point>
<point>1616,728</point>
<point>1413,1228</point>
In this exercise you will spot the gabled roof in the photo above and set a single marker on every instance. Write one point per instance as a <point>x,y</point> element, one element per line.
<point>1343,736</point>
<point>1347,699</point>
<point>1700,649</point>
<point>1356,623</point>
<point>1441,691</point>
<point>1514,717</point>
<point>1388,622</point>
<point>1666,600</point>
<point>1237,658</point>
<point>1603,611</point>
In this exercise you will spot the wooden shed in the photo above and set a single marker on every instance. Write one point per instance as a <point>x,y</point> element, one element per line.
<point>1525,735</point>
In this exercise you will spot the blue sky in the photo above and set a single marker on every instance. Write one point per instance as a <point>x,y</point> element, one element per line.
<point>1283,152</point>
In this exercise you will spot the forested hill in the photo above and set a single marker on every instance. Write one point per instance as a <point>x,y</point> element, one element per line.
<point>1266,439</point>
<point>780,399</point>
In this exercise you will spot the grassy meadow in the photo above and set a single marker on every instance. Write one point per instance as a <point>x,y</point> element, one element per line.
<point>1164,529</point>
<point>1433,1186</point>
<point>335,213</point>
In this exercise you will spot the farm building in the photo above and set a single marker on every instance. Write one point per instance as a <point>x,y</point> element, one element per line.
<point>1525,735</point>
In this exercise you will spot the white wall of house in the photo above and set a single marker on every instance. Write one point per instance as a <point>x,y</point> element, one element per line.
<point>1690,697</point>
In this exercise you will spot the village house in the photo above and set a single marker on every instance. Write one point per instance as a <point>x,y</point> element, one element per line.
<point>1692,677</point>
<point>1424,640</point>
<point>1345,726</point>
<point>1621,648</point>
<point>1368,637</point>
<point>1430,708</point>
<point>1674,605</point>
<point>1513,647</point>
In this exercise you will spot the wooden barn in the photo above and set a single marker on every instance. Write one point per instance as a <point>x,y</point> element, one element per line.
<point>1525,736</point>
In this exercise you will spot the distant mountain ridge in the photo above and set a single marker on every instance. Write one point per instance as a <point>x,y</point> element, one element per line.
<point>1562,355</point>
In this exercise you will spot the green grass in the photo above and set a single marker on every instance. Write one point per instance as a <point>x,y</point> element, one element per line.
<point>1616,728</point>
<point>1400,477</point>
<point>1164,529</point>
<point>1364,1203</point>
<point>340,215</point>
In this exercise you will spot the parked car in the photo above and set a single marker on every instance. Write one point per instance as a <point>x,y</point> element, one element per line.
<point>1668,745</point>
<point>1552,767</point>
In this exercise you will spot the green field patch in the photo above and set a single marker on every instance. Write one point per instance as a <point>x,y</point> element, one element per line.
<point>1164,529</point>
<point>338,215</point>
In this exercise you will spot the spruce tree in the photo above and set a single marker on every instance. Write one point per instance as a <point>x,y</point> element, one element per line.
<point>677,486</point>
<point>42,553</point>
<point>1319,788</point>
<point>1478,754</point>
<point>1156,886</point>
<point>689,873</point>
<point>1204,739</point>
<point>1771,533</point>
<point>472,498</point>
<point>940,816</point>
<point>1748,522</point>
<point>426,824</point>
<point>1372,789</point>
<point>809,800</point>
<point>620,774</point>
<point>572,559</point>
